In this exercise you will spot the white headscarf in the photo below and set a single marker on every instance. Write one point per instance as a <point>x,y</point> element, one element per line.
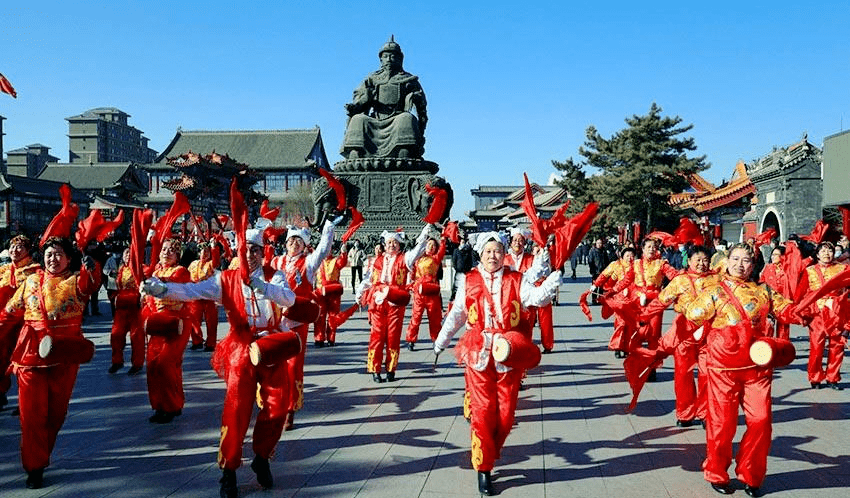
<point>302,233</point>
<point>526,233</point>
<point>397,236</point>
<point>482,239</point>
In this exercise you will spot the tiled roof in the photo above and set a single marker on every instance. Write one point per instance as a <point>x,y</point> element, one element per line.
<point>705,200</point>
<point>96,176</point>
<point>258,149</point>
<point>40,188</point>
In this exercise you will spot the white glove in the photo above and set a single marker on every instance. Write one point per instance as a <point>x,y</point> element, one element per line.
<point>153,287</point>
<point>437,350</point>
<point>258,284</point>
<point>643,300</point>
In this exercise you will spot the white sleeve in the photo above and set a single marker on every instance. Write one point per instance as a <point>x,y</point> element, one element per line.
<point>363,286</point>
<point>413,255</point>
<point>205,289</point>
<point>315,258</point>
<point>541,295</point>
<point>278,291</point>
<point>456,318</point>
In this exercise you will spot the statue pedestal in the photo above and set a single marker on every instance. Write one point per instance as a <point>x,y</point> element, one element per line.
<point>389,192</point>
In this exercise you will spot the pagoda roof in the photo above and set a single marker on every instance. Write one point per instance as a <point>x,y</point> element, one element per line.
<point>707,197</point>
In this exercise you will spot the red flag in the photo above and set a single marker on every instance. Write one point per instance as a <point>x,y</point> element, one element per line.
<point>839,281</point>
<point>688,231</point>
<point>61,224</point>
<point>239,212</point>
<point>439,198</point>
<point>582,303</point>
<point>357,221</point>
<point>269,214</point>
<point>142,220</point>
<point>7,87</point>
<point>450,231</point>
<point>222,220</point>
<point>336,185</point>
<point>95,227</point>
<point>818,232</point>
<point>557,220</point>
<point>527,204</point>
<point>337,319</point>
<point>666,239</point>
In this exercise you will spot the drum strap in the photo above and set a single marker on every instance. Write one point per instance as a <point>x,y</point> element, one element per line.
<point>39,292</point>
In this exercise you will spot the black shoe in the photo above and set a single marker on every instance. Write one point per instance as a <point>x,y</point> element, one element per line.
<point>319,344</point>
<point>209,349</point>
<point>547,350</point>
<point>652,377</point>
<point>228,484</point>
<point>134,370</point>
<point>835,385</point>
<point>815,385</point>
<point>330,344</point>
<point>35,478</point>
<point>3,400</point>
<point>163,417</point>
<point>260,466</point>
<point>376,378</point>
<point>686,423</point>
<point>410,346</point>
<point>752,491</point>
<point>485,484</point>
<point>724,488</point>
<point>289,423</point>
<point>115,367</point>
<point>197,347</point>
<point>390,376</point>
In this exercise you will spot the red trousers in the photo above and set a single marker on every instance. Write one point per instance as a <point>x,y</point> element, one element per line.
<point>690,397</point>
<point>295,372</point>
<point>543,314</point>
<point>727,390</point>
<point>43,397</point>
<point>165,370</point>
<point>492,399</point>
<point>818,334</point>
<point>386,322</point>
<point>433,305</point>
<point>207,310</point>
<point>623,335</point>
<point>650,333</point>
<point>323,331</point>
<point>128,320</point>
<point>242,392</point>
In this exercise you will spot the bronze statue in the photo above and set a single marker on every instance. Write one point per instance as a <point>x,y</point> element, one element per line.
<point>380,121</point>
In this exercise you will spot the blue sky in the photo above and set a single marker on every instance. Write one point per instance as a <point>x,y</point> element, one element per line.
<point>510,88</point>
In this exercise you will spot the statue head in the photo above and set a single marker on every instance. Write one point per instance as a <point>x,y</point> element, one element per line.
<point>391,55</point>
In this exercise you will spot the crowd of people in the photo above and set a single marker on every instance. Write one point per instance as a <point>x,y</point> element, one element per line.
<point>725,297</point>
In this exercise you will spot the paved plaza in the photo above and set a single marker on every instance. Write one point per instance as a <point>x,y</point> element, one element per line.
<point>409,438</point>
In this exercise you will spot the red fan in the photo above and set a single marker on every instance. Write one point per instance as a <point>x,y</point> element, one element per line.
<point>439,198</point>
<point>162,229</point>
<point>637,366</point>
<point>269,214</point>
<point>94,227</point>
<point>570,234</point>
<point>450,231</point>
<point>61,224</point>
<point>688,231</point>
<point>666,239</point>
<point>337,187</point>
<point>765,237</point>
<point>357,221</point>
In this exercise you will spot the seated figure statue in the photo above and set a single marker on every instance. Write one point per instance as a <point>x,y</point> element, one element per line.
<point>380,120</point>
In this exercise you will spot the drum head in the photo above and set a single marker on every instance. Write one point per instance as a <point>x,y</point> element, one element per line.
<point>45,346</point>
<point>501,349</point>
<point>255,354</point>
<point>761,353</point>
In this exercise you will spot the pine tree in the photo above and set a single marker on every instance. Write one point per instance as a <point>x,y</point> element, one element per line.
<point>640,165</point>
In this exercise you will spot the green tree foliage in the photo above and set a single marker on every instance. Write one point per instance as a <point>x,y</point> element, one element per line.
<point>640,165</point>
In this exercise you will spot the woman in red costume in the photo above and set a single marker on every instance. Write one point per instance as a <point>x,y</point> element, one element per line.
<point>300,267</point>
<point>617,271</point>
<point>734,314</point>
<point>51,302</point>
<point>774,276</point>
<point>12,275</point>
<point>383,292</point>
<point>165,348</point>
<point>519,260</point>
<point>491,301</point>
<point>128,318</point>
<point>205,309</point>
<point>649,273</point>
<point>324,333</point>
<point>254,311</point>
<point>690,397</point>
<point>426,292</point>
<point>824,324</point>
